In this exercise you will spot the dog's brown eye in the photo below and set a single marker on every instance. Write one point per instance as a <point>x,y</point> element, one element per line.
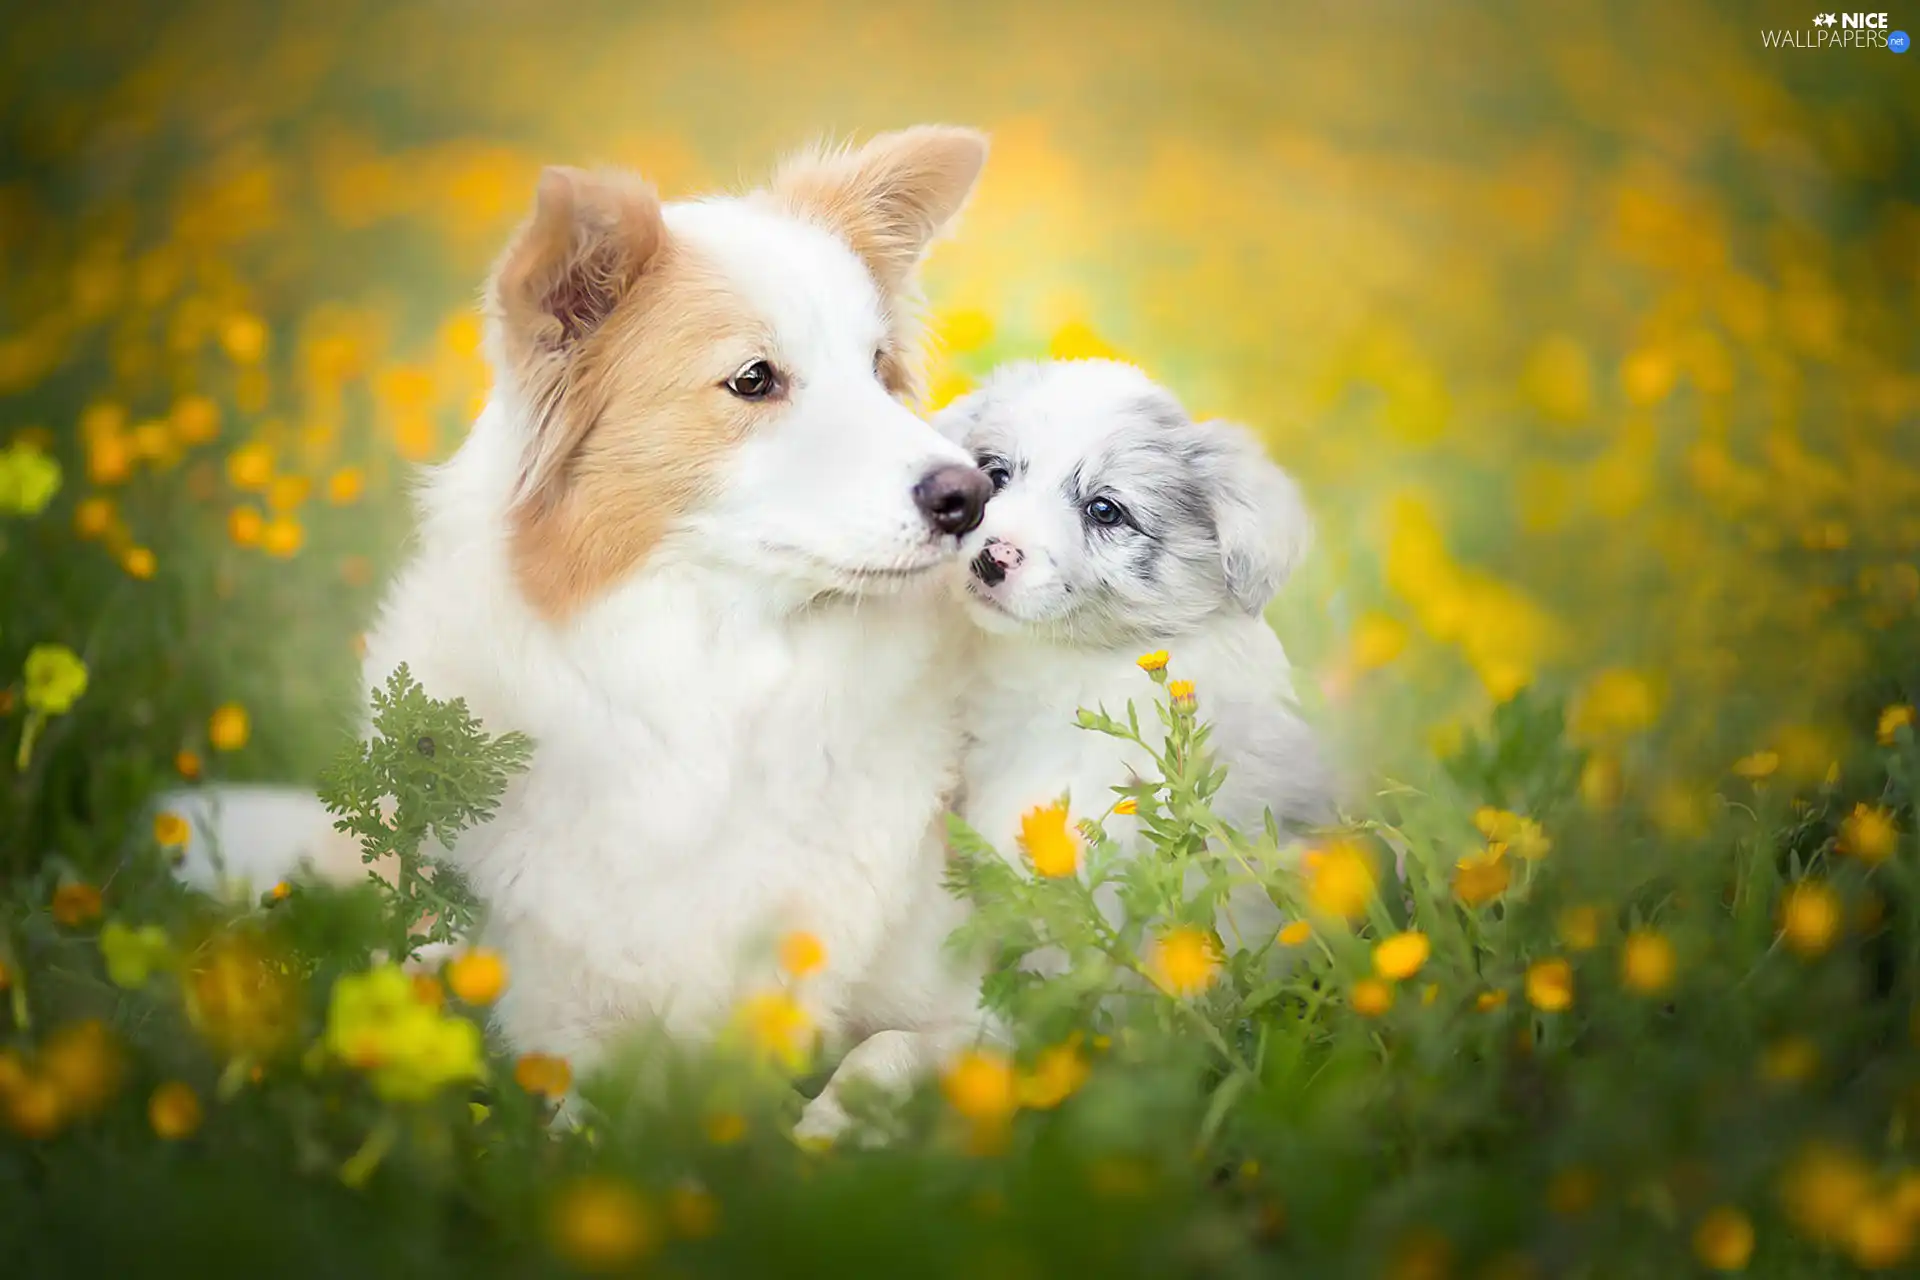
<point>754,381</point>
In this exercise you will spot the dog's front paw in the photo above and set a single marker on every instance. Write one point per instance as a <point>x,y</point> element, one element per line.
<point>822,1123</point>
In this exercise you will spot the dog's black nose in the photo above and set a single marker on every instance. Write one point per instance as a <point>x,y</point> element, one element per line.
<point>952,498</point>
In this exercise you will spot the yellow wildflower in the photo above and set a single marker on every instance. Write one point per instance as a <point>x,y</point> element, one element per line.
<point>187,764</point>
<point>981,1086</point>
<point>245,525</point>
<point>93,517</point>
<point>478,976</point>
<point>802,954</point>
<point>1340,881</point>
<point>694,1212</point>
<point>1579,928</point>
<point>1126,805</point>
<point>599,1224</point>
<point>1868,833</point>
<point>1878,1235</point>
<point>84,1063</point>
<point>1184,961</point>
<point>28,480</point>
<point>1790,1060</point>
<point>1488,1001</point>
<point>174,1111</point>
<point>543,1074</point>
<point>1295,932</point>
<point>1723,1240</point>
<point>1055,1076</point>
<point>55,679</point>
<point>1761,764</point>
<point>75,903</point>
<point>1521,836</point>
<point>109,460</point>
<point>1377,640</point>
<point>34,1108</point>
<point>244,337</point>
<point>282,537</point>
<point>250,467</point>
<point>196,420</point>
<point>1646,962</point>
<point>1616,703</point>
<point>1600,782</point>
<point>152,441</point>
<point>1550,985</point>
<point>776,1028</point>
<point>724,1128</point>
<point>1892,720</point>
<point>1822,1188</point>
<point>242,999</point>
<point>1181,691</point>
<point>1076,340</point>
<point>1401,956</point>
<point>377,1023</point>
<point>1052,848</point>
<point>1371,997</point>
<point>1152,662</point>
<point>133,954</point>
<point>1810,917</point>
<point>170,830</point>
<point>229,727</point>
<point>1481,877</point>
<point>966,329</point>
<point>345,486</point>
<point>288,492</point>
<point>139,562</point>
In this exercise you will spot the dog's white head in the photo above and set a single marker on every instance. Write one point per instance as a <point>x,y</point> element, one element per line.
<point>729,377</point>
<point>1116,518</point>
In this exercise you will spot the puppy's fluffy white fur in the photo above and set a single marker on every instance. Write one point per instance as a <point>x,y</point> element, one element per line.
<point>1120,527</point>
<point>688,548</point>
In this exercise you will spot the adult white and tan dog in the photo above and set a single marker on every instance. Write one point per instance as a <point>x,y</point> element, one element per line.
<point>1121,526</point>
<point>691,547</point>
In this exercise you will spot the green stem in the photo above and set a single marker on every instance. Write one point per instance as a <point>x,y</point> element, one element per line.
<point>28,736</point>
<point>361,1164</point>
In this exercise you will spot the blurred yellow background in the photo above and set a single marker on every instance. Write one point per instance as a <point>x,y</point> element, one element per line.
<point>1590,328</point>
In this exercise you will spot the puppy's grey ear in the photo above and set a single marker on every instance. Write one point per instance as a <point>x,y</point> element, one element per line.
<point>1259,517</point>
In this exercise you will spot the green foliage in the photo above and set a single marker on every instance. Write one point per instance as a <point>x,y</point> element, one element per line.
<point>428,772</point>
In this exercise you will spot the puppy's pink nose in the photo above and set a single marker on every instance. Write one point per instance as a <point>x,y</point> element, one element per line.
<point>996,560</point>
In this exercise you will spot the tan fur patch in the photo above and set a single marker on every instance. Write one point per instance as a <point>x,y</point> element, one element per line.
<point>612,334</point>
<point>650,422</point>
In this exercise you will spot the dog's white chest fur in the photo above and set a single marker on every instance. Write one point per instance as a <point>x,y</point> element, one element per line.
<point>732,770</point>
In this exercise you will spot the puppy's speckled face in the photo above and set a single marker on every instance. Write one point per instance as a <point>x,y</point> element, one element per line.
<point>1116,518</point>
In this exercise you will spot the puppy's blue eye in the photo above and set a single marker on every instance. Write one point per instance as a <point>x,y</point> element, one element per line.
<point>1105,511</point>
<point>999,476</point>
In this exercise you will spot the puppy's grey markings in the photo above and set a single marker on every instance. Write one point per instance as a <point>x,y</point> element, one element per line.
<point>1120,526</point>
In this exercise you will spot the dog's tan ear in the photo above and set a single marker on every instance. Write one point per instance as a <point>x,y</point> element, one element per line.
<point>888,199</point>
<point>588,243</point>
